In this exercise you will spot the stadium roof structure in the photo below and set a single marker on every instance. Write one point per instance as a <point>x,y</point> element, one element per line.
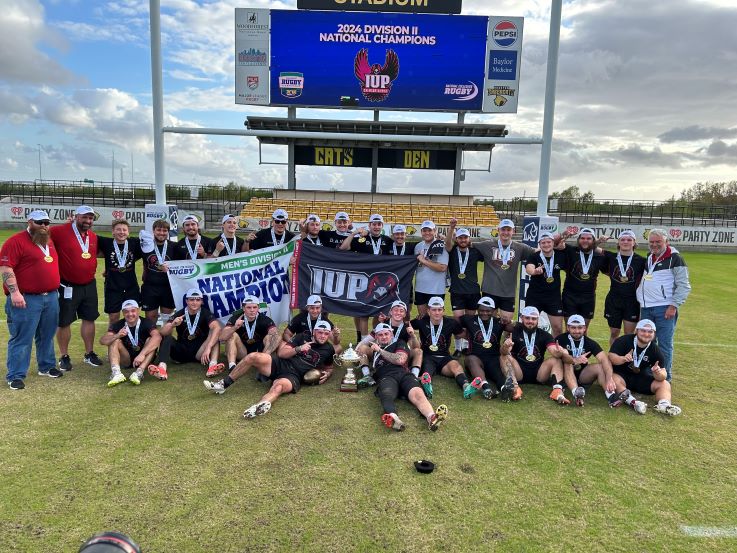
<point>351,129</point>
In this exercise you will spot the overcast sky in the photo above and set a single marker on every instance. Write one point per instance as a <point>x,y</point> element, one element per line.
<point>646,100</point>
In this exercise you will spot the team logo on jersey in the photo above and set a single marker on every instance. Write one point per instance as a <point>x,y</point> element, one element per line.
<point>376,80</point>
<point>504,34</point>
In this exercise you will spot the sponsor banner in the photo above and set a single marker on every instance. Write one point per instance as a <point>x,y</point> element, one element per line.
<point>531,229</point>
<point>377,60</point>
<point>407,6</point>
<point>391,158</point>
<point>677,235</point>
<point>352,284</point>
<point>413,231</point>
<point>224,282</point>
<point>504,54</point>
<point>252,56</point>
<point>104,216</point>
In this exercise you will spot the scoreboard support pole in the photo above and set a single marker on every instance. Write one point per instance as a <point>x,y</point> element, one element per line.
<point>291,166</point>
<point>459,162</point>
<point>375,161</point>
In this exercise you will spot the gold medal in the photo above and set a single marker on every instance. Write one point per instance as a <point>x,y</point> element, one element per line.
<point>191,337</point>
<point>48,259</point>
<point>487,345</point>
<point>585,277</point>
<point>461,275</point>
<point>648,277</point>
<point>505,266</point>
<point>550,280</point>
<point>530,358</point>
<point>250,341</point>
<point>160,268</point>
<point>362,240</point>
<point>623,279</point>
<point>136,348</point>
<point>86,255</point>
<point>121,269</point>
<point>433,347</point>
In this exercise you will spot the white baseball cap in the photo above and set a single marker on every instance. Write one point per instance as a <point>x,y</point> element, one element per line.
<point>436,301</point>
<point>399,228</point>
<point>38,215</point>
<point>645,323</point>
<point>376,218</point>
<point>250,299</point>
<point>280,214</point>
<point>505,223</point>
<point>398,303</point>
<point>545,236</point>
<point>628,233</point>
<point>312,218</point>
<point>227,217</point>
<point>530,311</point>
<point>487,302</point>
<point>321,325</point>
<point>127,304</point>
<point>191,218</point>
<point>382,327</point>
<point>427,224</point>
<point>83,210</point>
<point>576,320</point>
<point>314,299</point>
<point>462,232</point>
<point>342,216</point>
<point>194,293</point>
<point>587,230</point>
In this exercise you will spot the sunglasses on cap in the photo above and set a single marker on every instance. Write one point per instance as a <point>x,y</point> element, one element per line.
<point>44,223</point>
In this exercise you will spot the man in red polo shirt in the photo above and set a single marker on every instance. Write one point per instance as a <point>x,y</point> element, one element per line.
<point>77,247</point>
<point>29,266</point>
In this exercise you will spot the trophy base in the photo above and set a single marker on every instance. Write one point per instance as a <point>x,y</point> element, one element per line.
<point>348,387</point>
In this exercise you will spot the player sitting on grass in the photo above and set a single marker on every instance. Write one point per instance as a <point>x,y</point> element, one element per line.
<point>390,358</point>
<point>248,330</point>
<point>576,348</point>
<point>637,362</point>
<point>131,342</point>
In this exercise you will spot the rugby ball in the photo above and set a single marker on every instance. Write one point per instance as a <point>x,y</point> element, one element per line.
<point>312,376</point>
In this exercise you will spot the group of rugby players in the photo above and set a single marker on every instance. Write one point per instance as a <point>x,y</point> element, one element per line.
<point>400,357</point>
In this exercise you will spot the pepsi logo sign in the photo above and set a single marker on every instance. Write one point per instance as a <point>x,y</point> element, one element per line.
<point>504,34</point>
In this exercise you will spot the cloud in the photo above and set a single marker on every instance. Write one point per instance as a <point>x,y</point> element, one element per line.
<point>695,132</point>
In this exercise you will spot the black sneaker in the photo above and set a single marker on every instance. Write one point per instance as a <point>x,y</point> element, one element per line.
<point>507,390</point>
<point>65,363</point>
<point>52,373</point>
<point>92,359</point>
<point>16,384</point>
<point>491,391</point>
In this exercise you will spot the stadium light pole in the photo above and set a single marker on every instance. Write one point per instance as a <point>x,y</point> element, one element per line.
<point>158,99</point>
<point>39,162</point>
<point>549,113</point>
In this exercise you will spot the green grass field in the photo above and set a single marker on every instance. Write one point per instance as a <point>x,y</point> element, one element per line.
<point>178,469</point>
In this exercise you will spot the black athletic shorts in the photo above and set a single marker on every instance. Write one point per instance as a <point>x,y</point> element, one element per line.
<point>574,305</point>
<point>185,352</point>
<point>132,354</point>
<point>115,297</point>
<point>639,383</point>
<point>492,368</point>
<point>421,298</point>
<point>433,364</point>
<point>618,309</point>
<point>529,373</point>
<point>551,304</point>
<point>155,296</point>
<point>464,301</point>
<point>503,303</point>
<point>82,304</point>
<point>279,369</point>
<point>399,386</point>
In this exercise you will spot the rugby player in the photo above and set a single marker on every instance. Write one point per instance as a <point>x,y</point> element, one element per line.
<point>120,254</point>
<point>248,330</point>
<point>432,264</point>
<point>227,243</point>
<point>583,264</point>
<point>543,290</point>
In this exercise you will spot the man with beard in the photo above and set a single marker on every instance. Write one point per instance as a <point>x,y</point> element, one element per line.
<point>77,247</point>
<point>583,264</point>
<point>131,343</point>
<point>304,322</point>
<point>120,254</point>
<point>294,364</point>
<point>249,330</point>
<point>576,348</point>
<point>637,363</point>
<point>543,291</point>
<point>276,235</point>
<point>192,245</point>
<point>227,243</point>
<point>29,265</point>
<point>503,257</point>
<point>197,338</point>
<point>432,264</point>
<point>625,269</point>
<point>399,247</point>
<point>390,357</point>
<point>311,232</point>
<point>523,357</point>
<point>155,292</point>
<point>663,289</point>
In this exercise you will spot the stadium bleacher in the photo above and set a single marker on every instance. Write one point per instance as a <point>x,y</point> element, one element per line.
<point>403,213</point>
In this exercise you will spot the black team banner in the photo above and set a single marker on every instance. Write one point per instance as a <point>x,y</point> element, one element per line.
<point>406,6</point>
<point>353,284</point>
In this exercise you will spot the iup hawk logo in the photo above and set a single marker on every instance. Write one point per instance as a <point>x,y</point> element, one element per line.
<point>376,80</point>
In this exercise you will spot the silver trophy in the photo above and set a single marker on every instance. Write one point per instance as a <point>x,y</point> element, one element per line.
<point>349,360</point>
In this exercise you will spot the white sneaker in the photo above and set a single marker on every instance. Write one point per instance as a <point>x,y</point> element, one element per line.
<point>135,378</point>
<point>668,409</point>
<point>217,387</point>
<point>116,379</point>
<point>257,410</point>
<point>640,407</point>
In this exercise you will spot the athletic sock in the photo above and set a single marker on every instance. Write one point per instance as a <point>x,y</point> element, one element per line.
<point>231,366</point>
<point>416,371</point>
<point>664,402</point>
<point>227,381</point>
<point>608,394</point>
<point>115,369</point>
<point>631,401</point>
<point>358,336</point>
<point>461,379</point>
<point>212,363</point>
<point>485,385</point>
<point>365,370</point>
<point>559,386</point>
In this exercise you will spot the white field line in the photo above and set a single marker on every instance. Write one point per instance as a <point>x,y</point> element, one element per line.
<point>710,531</point>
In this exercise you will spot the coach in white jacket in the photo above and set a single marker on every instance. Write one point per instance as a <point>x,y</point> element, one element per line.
<point>663,289</point>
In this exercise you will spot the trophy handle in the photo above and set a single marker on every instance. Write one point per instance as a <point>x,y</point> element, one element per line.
<point>337,361</point>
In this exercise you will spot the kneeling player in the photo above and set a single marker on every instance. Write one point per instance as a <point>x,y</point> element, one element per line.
<point>248,330</point>
<point>637,361</point>
<point>575,349</point>
<point>435,331</point>
<point>390,359</point>
<point>131,342</point>
<point>523,356</point>
<point>197,338</point>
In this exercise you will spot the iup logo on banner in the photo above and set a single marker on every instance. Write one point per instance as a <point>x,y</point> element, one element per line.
<point>376,288</point>
<point>504,34</point>
<point>376,80</point>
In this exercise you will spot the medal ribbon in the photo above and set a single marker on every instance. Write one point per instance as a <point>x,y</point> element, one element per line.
<point>486,332</point>
<point>376,246</point>
<point>316,243</point>
<point>134,338</point>
<point>637,359</point>
<point>85,245</point>
<point>622,269</point>
<point>192,328</point>
<point>121,257</point>
<point>548,266</point>
<point>161,257</point>
<point>394,248</point>
<point>504,253</point>
<point>433,335</point>
<point>274,240</point>
<point>397,331</point>
<point>250,330</point>
<point>462,263</point>
<point>193,254</point>
<point>228,248</point>
<point>585,264</point>
<point>309,321</point>
<point>530,344</point>
<point>651,264</point>
<point>576,351</point>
